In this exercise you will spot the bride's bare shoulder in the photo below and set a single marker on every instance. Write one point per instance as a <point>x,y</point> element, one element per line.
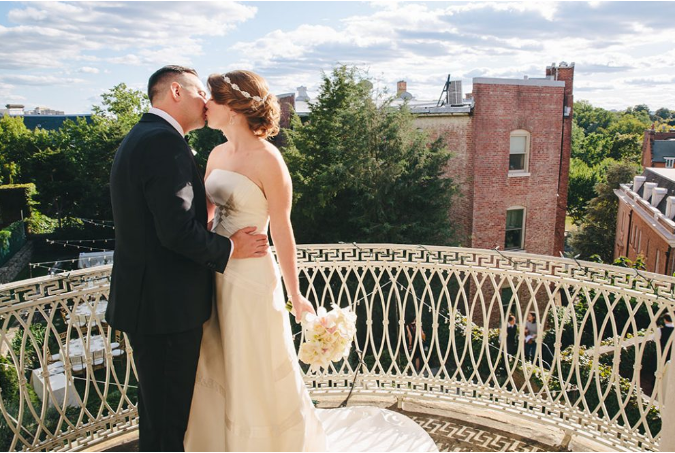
<point>271,157</point>
<point>219,149</point>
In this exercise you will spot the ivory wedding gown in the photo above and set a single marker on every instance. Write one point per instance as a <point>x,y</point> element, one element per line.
<point>249,393</point>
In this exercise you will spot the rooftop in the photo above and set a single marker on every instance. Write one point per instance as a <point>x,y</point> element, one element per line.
<point>663,149</point>
<point>652,196</point>
<point>662,173</point>
<point>51,122</point>
<point>540,82</point>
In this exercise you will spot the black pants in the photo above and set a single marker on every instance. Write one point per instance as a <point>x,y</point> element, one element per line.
<point>166,366</point>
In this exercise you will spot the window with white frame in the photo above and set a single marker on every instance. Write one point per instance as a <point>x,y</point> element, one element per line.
<point>519,152</point>
<point>515,228</point>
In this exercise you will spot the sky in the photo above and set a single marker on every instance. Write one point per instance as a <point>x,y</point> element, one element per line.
<point>64,55</point>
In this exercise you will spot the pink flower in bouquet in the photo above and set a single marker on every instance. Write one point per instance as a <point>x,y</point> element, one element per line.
<point>328,336</point>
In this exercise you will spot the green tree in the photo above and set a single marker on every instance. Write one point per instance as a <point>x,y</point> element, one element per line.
<point>203,141</point>
<point>629,124</point>
<point>641,112</point>
<point>664,113</point>
<point>71,166</point>
<point>592,119</point>
<point>598,228</point>
<point>362,171</point>
<point>16,145</point>
<point>122,105</point>
<point>582,181</point>
<point>596,147</point>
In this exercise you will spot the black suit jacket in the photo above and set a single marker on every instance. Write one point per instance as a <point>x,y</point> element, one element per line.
<point>162,276</point>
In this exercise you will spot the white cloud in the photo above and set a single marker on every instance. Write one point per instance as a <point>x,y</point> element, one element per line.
<point>614,44</point>
<point>89,70</point>
<point>50,34</point>
<point>38,80</point>
<point>8,94</point>
<point>424,42</point>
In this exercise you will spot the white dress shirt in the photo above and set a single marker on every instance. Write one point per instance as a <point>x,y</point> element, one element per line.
<point>169,119</point>
<point>172,121</point>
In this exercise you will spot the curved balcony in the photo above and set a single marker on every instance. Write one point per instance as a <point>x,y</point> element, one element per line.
<point>595,369</point>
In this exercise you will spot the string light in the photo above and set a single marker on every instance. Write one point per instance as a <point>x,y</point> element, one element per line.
<point>73,244</point>
<point>83,241</point>
<point>100,223</point>
<point>49,265</point>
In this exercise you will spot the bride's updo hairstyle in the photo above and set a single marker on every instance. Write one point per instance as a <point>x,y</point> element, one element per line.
<point>247,93</point>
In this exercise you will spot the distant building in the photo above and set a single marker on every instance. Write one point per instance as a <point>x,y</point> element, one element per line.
<point>14,109</point>
<point>644,224</point>
<point>44,111</point>
<point>42,117</point>
<point>658,149</point>
<point>511,142</point>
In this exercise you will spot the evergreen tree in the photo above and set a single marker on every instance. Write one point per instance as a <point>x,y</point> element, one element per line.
<point>598,232</point>
<point>362,171</point>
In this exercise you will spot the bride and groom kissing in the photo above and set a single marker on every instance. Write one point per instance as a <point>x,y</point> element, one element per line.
<point>197,290</point>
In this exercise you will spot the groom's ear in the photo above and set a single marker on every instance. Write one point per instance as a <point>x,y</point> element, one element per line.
<point>175,91</point>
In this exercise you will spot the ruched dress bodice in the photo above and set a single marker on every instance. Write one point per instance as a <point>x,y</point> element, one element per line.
<point>240,203</point>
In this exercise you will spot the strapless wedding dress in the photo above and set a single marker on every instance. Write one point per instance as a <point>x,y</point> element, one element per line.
<point>249,393</point>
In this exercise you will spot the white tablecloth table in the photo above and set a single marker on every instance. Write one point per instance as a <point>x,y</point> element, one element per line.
<point>85,310</point>
<point>78,351</point>
<point>58,384</point>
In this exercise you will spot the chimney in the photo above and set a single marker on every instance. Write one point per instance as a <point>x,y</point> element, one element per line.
<point>637,182</point>
<point>647,192</point>
<point>670,207</point>
<point>302,94</point>
<point>658,194</point>
<point>401,87</point>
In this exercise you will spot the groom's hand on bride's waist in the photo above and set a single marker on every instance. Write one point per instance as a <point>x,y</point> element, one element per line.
<point>249,244</point>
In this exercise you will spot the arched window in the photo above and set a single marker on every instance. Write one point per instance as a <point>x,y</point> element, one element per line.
<point>515,228</point>
<point>519,154</point>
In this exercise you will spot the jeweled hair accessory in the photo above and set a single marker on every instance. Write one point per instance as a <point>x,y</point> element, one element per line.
<point>246,94</point>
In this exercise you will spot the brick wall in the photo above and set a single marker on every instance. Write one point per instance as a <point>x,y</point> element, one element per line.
<point>637,237</point>
<point>648,144</point>
<point>499,110</point>
<point>644,241</point>
<point>565,74</point>
<point>456,131</point>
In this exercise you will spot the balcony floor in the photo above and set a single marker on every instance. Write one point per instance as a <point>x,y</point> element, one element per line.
<point>466,430</point>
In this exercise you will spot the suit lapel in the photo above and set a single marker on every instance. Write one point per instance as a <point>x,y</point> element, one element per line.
<point>197,178</point>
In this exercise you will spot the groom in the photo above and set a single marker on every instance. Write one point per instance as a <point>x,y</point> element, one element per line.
<point>162,278</point>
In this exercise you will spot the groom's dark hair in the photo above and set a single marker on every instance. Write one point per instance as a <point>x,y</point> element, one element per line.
<point>163,75</point>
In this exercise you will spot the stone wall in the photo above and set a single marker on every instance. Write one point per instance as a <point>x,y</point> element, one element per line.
<point>11,269</point>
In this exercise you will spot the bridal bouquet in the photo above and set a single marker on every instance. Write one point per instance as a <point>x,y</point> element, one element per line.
<point>328,336</point>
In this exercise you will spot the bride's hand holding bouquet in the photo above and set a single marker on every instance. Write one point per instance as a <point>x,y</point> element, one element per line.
<point>328,334</point>
<point>299,306</point>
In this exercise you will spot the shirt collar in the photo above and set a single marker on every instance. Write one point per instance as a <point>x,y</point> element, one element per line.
<point>669,324</point>
<point>170,119</point>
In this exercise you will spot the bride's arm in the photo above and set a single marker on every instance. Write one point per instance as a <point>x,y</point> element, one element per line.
<point>279,192</point>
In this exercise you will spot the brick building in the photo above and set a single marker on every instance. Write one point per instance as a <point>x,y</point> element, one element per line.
<point>658,149</point>
<point>511,149</point>
<point>645,224</point>
<point>511,142</point>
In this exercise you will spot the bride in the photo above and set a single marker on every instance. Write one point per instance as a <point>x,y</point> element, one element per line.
<point>249,393</point>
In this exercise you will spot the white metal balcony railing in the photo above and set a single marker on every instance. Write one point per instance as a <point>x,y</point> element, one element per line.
<point>68,381</point>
